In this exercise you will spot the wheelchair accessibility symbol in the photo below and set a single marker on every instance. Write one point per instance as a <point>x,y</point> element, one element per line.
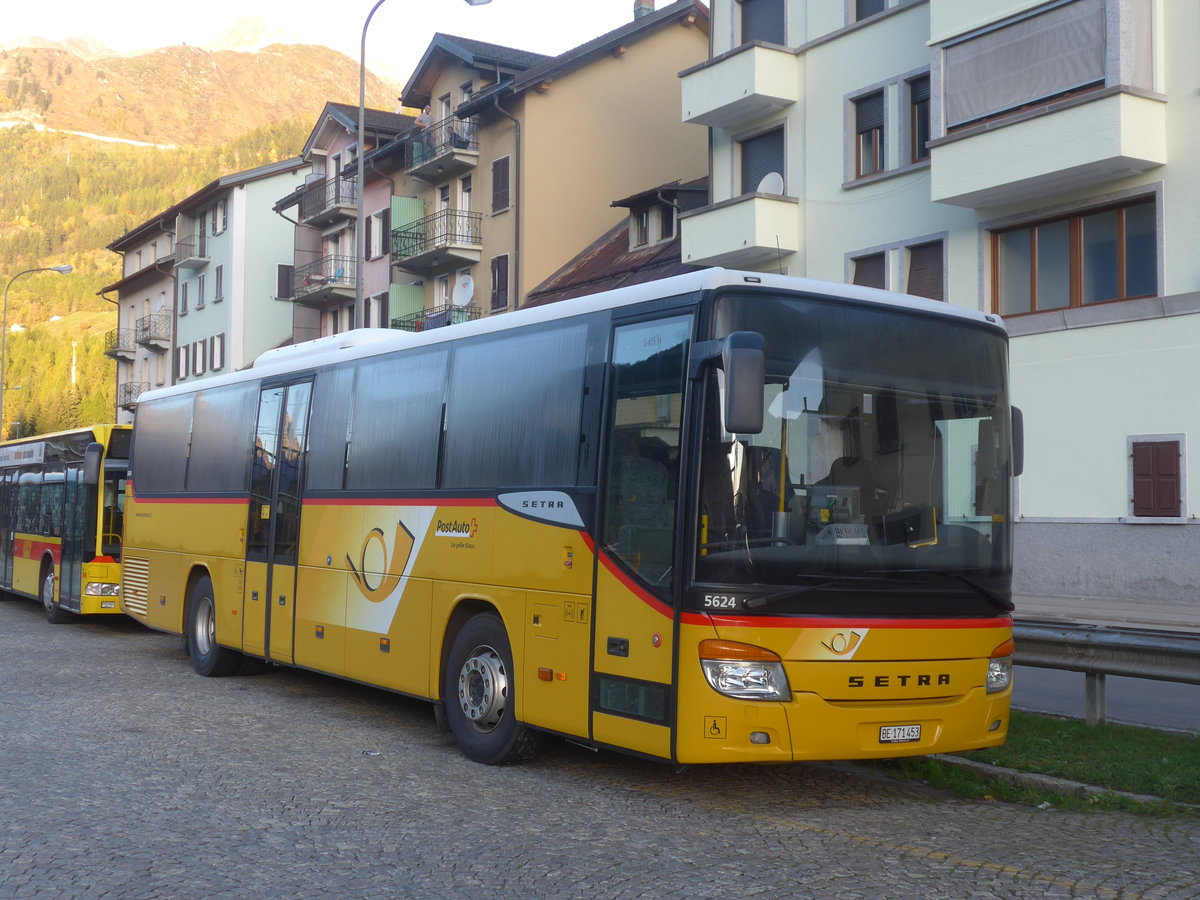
<point>715,727</point>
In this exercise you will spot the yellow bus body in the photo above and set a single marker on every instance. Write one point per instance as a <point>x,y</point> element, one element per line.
<point>372,603</point>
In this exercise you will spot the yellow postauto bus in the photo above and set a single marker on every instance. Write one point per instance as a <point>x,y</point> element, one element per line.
<point>62,498</point>
<point>720,517</point>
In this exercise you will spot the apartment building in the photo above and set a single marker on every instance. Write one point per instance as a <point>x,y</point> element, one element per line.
<point>141,343</point>
<point>197,289</point>
<point>522,155</point>
<point>1022,158</point>
<point>320,278</point>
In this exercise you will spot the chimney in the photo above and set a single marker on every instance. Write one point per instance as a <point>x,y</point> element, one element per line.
<point>642,8</point>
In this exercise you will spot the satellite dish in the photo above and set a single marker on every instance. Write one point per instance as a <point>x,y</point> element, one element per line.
<point>464,290</point>
<point>772,183</point>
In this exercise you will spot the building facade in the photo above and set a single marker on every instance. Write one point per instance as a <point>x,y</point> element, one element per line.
<point>1022,158</point>
<point>198,284</point>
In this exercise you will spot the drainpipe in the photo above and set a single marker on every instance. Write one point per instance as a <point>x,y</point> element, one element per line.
<point>516,192</point>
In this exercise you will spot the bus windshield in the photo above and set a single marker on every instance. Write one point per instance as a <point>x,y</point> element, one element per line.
<point>882,466</point>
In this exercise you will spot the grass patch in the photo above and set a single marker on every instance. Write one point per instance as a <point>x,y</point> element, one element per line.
<point>1116,757</point>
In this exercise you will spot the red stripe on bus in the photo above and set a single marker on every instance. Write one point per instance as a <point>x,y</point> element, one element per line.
<point>28,548</point>
<point>402,501</point>
<point>634,588</point>
<point>831,622</point>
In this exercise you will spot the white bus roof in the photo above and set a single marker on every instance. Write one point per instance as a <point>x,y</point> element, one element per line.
<point>365,342</point>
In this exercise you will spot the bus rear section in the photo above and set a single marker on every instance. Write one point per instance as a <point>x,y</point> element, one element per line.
<point>61,519</point>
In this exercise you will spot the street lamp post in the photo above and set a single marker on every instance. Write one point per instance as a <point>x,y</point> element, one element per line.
<point>360,237</point>
<point>61,270</point>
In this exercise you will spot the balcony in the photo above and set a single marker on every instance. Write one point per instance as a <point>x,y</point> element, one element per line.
<point>128,393</point>
<point>740,87</point>
<point>329,278</point>
<point>154,332</point>
<point>1077,143</point>
<point>191,252</point>
<point>438,317</point>
<point>447,238</point>
<point>120,344</point>
<point>744,232</point>
<point>442,150</point>
<point>328,201</point>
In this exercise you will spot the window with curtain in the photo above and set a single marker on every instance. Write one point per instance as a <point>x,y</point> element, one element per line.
<point>1035,57</point>
<point>1095,256</point>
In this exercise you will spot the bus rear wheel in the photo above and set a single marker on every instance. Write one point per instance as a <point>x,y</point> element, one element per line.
<point>208,657</point>
<point>478,689</point>
<point>55,614</point>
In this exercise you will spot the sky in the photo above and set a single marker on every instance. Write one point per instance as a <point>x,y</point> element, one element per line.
<point>398,34</point>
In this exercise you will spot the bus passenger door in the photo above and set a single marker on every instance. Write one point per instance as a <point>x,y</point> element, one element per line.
<point>75,511</point>
<point>633,656</point>
<point>273,528</point>
<point>8,518</point>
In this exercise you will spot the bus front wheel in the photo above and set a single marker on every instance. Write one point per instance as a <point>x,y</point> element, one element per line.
<point>479,690</point>
<point>55,614</point>
<point>208,657</point>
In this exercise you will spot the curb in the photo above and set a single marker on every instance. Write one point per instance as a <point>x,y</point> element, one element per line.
<point>1053,783</point>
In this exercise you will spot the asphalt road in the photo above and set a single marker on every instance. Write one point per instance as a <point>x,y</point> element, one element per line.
<point>1131,701</point>
<point>124,775</point>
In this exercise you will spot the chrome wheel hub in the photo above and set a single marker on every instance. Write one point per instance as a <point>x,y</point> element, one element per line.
<point>483,688</point>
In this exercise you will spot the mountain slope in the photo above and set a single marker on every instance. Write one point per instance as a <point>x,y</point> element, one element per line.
<point>179,95</point>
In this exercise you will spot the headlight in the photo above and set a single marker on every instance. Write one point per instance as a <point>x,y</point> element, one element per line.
<point>999,671</point>
<point>744,671</point>
<point>99,589</point>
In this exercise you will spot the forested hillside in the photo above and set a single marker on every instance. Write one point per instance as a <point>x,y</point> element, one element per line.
<point>65,197</point>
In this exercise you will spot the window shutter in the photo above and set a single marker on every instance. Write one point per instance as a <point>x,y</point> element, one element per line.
<point>919,89</point>
<point>868,112</point>
<point>217,352</point>
<point>925,271</point>
<point>283,281</point>
<point>500,282</point>
<point>500,199</point>
<point>764,20</point>
<point>865,8</point>
<point>762,155</point>
<point>869,271</point>
<point>1156,479</point>
<point>370,248</point>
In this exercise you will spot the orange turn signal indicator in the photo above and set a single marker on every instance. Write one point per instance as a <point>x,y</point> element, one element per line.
<point>715,648</point>
<point>1008,648</point>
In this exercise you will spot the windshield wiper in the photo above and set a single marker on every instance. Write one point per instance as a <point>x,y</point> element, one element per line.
<point>1000,602</point>
<point>758,601</point>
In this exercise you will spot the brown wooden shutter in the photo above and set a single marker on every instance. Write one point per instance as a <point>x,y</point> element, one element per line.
<point>500,282</point>
<point>1156,480</point>
<point>868,270</point>
<point>925,271</point>
<point>500,198</point>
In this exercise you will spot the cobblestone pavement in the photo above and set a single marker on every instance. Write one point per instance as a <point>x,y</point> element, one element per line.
<point>124,775</point>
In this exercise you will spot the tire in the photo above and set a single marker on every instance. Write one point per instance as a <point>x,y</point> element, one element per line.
<point>55,614</point>
<point>479,690</point>
<point>208,657</point>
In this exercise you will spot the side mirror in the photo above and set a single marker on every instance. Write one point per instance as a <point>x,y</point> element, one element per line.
<point>744,361</point>
<point>93,463</point>
<point>1018,439</point>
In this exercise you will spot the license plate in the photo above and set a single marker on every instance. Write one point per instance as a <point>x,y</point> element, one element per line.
<point>899,734</point>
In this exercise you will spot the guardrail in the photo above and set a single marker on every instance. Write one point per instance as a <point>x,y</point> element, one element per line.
<point>1100,651</point>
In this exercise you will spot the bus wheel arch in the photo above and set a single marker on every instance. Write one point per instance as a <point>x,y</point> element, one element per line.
<point>200,629</point>
<point>479,688</point>
<point>55,614</point>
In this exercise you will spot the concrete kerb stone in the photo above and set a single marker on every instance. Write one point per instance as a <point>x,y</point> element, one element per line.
<point>1052,783</point>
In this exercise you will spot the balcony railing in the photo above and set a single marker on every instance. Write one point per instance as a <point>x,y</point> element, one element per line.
<point>153,330</point>
<point>446,237</point>
<point>128,393</point>
<point>120,342</point>
<point>329,277</point>
<point>438,317</point>
<point>328,200</point>
<point>445,148</point>
<point>191,251</point>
